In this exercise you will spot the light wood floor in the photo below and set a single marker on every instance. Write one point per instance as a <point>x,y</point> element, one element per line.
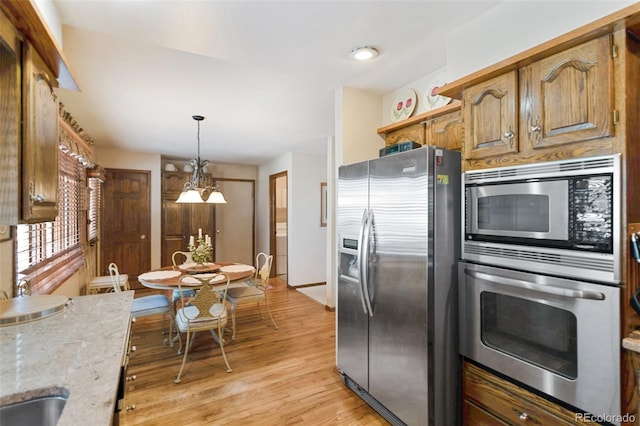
<point>280,377</point>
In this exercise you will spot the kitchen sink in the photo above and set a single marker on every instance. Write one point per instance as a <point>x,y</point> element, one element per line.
<point>44,410</point>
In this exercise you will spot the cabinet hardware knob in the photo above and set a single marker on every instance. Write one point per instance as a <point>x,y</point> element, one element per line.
<point>142,237</point>
<point>523,416</point>
<point>39,198</point>
<point>131,378</point>
<point>133,348</point>
<point>535,128</point>
<point>130,407</point>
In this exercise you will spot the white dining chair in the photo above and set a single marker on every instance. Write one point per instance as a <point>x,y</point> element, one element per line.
<point>255,291</point>
<point>146,305</point>
<point>206,311</point>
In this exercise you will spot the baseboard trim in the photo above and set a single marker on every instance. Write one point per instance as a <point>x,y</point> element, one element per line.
<point>304,285</point>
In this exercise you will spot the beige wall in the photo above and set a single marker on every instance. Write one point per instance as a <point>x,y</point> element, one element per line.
<point>6,267</point>
<point>358,116</point>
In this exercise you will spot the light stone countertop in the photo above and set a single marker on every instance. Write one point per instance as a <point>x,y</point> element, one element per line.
<point>632,341</point>
<point>80,349</point>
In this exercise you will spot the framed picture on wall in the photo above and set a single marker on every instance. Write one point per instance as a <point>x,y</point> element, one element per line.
<point>5,232</point>
<point>323,204</point>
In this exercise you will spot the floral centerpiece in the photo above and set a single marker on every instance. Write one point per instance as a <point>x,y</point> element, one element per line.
<point>202,251</point>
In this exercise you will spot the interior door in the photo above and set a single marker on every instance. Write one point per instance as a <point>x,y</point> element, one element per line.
<point>278,224</point>
<point>126,223</point>
<point>235,223</point>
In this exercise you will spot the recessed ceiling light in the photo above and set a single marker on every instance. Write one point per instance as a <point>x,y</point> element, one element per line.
<point>363,53</point>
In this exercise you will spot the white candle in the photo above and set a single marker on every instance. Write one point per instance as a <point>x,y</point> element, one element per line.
<point>191,240</point>
<point>207,239</point>
<point>199,233</point>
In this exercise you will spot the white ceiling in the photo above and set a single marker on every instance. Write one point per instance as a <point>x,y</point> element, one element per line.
<point>263,73</point>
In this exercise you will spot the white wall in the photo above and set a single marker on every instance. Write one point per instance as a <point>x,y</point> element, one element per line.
<point>490,38</point>
<point>306,240</point>
<point>515,26</point>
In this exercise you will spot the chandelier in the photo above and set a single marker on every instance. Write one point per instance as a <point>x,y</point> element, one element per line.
<point>196,190</point>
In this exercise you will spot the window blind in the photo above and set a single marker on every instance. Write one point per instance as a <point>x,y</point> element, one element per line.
<point>50,252</point>
<point>95,204</point>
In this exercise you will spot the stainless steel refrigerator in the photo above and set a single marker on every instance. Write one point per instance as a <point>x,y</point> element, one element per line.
<point>398,224</point>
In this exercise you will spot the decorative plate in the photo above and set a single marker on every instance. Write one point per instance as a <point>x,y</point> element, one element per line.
<point>433,101</point>
<point>237,268</point>
<point>159,275</point>
<point>403,105</point>
<point>193,267</point>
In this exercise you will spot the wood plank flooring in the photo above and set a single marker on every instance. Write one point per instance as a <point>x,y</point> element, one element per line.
<point>280,377</point>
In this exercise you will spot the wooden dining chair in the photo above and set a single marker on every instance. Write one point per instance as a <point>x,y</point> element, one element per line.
<point>146,305</point>
<point>255,291</point>
<point>206,311</point>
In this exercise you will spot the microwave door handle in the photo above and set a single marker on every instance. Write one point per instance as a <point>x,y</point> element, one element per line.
<point>556,291</point>
<point>365,248</point>
<point>361,270</point>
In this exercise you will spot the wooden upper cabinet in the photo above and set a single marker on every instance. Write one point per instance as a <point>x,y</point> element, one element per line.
<point>441,127</point>
<point>490,111</point>
<point>569,96</point>
<point>445,131</point>
<point>10,122</point>
<point>40,140</point>
<point>414,132</point>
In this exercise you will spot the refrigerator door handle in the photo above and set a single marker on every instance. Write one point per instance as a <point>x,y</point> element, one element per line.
<point>361,252</point>
<point>364,261</point>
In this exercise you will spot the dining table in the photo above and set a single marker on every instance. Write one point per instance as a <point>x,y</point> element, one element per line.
<point>169,277</point>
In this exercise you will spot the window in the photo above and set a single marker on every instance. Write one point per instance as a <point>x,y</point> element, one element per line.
<point>50,252</point>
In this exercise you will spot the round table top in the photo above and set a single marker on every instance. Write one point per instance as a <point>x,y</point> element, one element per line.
<point>168,277</point>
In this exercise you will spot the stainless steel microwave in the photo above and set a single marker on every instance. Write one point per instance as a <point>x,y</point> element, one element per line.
<point>559,218</point>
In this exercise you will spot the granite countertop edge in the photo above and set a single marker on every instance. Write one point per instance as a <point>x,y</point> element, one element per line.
<point>78,351</point>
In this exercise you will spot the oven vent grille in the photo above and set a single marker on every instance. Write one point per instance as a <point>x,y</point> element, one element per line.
<point>541,169</point>
<point>537,258</point>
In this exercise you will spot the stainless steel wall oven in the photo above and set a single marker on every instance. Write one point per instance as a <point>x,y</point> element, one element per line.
<point>539,296</point>
<point>559,217</point>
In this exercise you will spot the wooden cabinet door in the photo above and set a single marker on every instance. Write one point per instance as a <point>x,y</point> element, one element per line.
<point>445,131</point>
<point>9,123</point>
<point>203,216</point>
<point>174,231</point>
<point>490,111</point>
<point>414,132</point>
<point>40,140</point>
<point>473,415</point>
<point>570,96</point>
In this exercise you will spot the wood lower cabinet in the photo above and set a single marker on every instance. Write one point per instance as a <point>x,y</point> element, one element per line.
<point>490,400</point>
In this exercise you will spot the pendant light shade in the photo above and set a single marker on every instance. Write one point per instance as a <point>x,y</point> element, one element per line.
<point>196,188</point>
<point>216,197</point>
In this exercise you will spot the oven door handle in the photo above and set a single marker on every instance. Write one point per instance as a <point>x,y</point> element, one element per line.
<point>556,291</point>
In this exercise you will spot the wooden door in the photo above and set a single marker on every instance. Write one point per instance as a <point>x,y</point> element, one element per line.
<point>490,112</point>
<point>126,223</point>
<point>570,96</point>
<point>235,223</point>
